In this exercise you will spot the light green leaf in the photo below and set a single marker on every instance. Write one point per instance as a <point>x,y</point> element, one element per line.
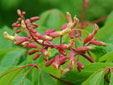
<point>97,78</point>
<point>107,57</point>
<point>11,58</point>
<point>111,79</point>
<point>45,79</point>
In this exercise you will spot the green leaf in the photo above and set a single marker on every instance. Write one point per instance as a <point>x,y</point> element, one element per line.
<point>17,81</point>
<point>106,32</point>
<point>97,78</point>
<point>45,79</point>
<point>52,19</point>
<point>4,43</point>
<point>7,77</point>
<point>11,58</point>
<point>100,51</point>
<point>77,78</point>
<point>107,57</point>
<point>111,79</point>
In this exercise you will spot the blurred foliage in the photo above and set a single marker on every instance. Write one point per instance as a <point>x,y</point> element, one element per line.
<point>96,10</point>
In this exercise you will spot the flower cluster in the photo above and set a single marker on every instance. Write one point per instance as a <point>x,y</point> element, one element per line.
<point>34,38</point>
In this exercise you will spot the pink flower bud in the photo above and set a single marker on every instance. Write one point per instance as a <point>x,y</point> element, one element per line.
<point>62,59</point>
<point>55,34</point>
<point>30,45</point>
<point>23,13</point>
<point>34,25</point>
<point>62,52</point>
<point>97,43</point>
<point>33,30</point>
<point>48,63</point>
<point>19,12</point>
<point>49,31</point>
<point>18,30</point>
<point>45,58</point>
<point>21,41</point>
<point>79,66</point>
<point>72,59</point>
<point>44,52</point>
<point>35,57</point>
<point>34,18</point>
<point>71,34</point>
<point>62,46</point>
<point>95,29</point>
<point>64,27</point>
<point>16,25</point>
<point>56,63</point>
<point>19,19</point>
<point>84,48</point>
<point>88,38</point>
<point>69,17</point>
<point>33,51</point>
<point>28,21</point>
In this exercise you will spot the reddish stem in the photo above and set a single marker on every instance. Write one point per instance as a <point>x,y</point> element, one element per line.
<point>60,79</point>
<point>99,20</point>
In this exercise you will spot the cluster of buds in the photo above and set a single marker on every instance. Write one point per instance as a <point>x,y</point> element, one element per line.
<point>34,38</point>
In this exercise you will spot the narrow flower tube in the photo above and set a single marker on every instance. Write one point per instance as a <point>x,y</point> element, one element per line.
<point>62,52</point>
<point>19,12</point>
<point>30,45</point>
<point>34,18</point>
<point>95,29</point>
<point>71,34</point>
<point>56,63</point>
<point>79,66</point>
<point>55,34</point>
<point>97,43</point>
<point>88,38</point>
<point>69,18</point>
<point>84,48</point>
<point>33,51</point>
<point>35,57</point>
<point>72,59</point>
<point>64,27</point>
<point>50,31</point>
<point>48,63</point>
<point>17,42</point>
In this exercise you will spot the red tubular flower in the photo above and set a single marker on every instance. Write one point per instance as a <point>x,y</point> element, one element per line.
<point>33,51</point>
<point>30,45</point>
<point>72,59</point>
<point>97,43</point>
<point>18,30</point>
<point>64,27</point>
<point>34,18</point>
<point>79,66</point>
<point>19,12</point>
<point>88,38</point>
<point>35,57</point>
<point>62,52</point>
<point>56,63</point>
<point>16,25</point>
<point>55,34</point>
<point>71,34</point>
<point>62,59</point>
<point>84,48</point>
<point>48,63</point>
<point>50,31</point>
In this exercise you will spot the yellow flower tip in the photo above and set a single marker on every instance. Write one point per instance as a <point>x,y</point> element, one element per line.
<point>23,24</point>
<point>72,43</point>
<point>49,51</point>
<point>7,36</point>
